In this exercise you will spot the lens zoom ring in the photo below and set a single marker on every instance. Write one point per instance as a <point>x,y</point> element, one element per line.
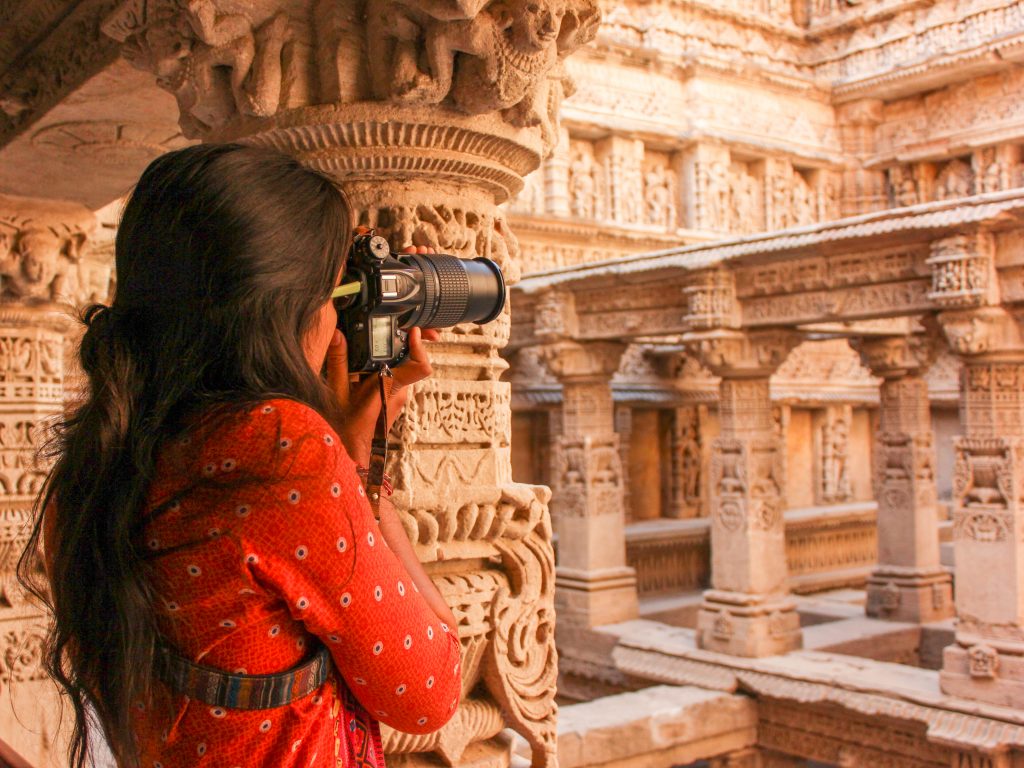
<point>453,297</point>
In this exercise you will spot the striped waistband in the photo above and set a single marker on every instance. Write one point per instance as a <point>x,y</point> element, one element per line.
<point>236,691</point>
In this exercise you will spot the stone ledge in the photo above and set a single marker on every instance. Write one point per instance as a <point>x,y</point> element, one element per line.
<point>663,725</point>
<point>655,652</point>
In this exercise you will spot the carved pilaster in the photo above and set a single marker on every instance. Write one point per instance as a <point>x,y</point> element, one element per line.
<point>688,471</point>
<point>428,118</point>
<point>908,584</point>
<point>45,263</point>
<point>987,660</point>
<point>746,611</point>
<point>595,586</point>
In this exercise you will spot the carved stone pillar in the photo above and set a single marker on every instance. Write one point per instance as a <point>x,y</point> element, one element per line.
<point>556,177</point>
<point>986,662</point>
<point>44,263</point>
<point>428,117</point>
<point>595,586</point>
<point>746,611</point>
<point>908,584</point>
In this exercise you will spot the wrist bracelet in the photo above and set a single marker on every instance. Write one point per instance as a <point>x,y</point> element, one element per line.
<point>386,486</point>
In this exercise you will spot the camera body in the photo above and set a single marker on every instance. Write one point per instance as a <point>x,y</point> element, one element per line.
<point>400,291</point>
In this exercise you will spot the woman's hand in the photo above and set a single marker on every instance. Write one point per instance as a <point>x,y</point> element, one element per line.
<point>359,399</point>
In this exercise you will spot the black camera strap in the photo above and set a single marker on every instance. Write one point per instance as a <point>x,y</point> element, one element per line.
<point>379,444</point>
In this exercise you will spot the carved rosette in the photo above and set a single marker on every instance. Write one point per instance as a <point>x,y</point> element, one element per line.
<point>428,116</point>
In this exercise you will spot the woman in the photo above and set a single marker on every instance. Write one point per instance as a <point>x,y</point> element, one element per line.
<point>205,523</point>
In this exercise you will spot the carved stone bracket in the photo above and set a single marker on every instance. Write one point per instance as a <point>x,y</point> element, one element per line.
<point>992,332</point>
<point>896,356</point>
<point>576,361</point>
<point>711,301</point>
<point>554,316</point>
<point>735,354</point>
<point>963,271</point>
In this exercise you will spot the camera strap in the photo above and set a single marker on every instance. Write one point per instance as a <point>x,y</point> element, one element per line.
<point>379,444</point>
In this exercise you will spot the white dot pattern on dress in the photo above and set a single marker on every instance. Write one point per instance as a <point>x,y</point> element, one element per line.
<point>328,439</point>
<point>401,589</point>
<point>430,682</point>
<point>430,633</point>
<point>227,624</point>
<point>378,593</point>
<point>369,538</point>
<point>274,630</point>
<point>243,511</point>
<point>400,689</point>
<point>378,648</point>
<point>302,603</point>
<point>218,711</point>
<point>335,490</point>
<point>194,570</point>
<point>421,721</point>
<point>264,726</point>
<point>342,544</point>
<point>294,496</point>
<point>228,464</point>
<point>201,749</point>
<point>285,444</point>
<point>408,642</point>
<point>301,552</point>
<point>346,600</point>
<point>252,558</point>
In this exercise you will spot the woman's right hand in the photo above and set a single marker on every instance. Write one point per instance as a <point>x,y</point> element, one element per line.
<point>359,397</point>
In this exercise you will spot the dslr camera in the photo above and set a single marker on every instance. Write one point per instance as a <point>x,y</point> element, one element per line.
<point>384,294</point>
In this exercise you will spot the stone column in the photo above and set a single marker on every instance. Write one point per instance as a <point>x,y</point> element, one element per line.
<point>746,612</point>
<point>624,431</point>
<point>44,264</point>
<point>986,662</point>
<point>428,130</point>
<point>908,584</point>
<point>595,586</point>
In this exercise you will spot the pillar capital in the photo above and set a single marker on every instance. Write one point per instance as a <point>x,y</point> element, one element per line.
<point>437,86</point>
<point>582,362</point>
<point>893,357</point>
<point>742,354</point>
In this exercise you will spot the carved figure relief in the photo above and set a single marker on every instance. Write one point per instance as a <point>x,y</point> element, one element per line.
<point>687,460</point>
<point>903,189</point>
<point>834,440</point>
<point>659,197</point>
<point>714,191</point>
<point>495,58</point>
<point>586,199</point>
<point>41,256</point>
<point>983,661</point>
<point>590,473</point>
<point>955,180</point>
<point>216,65</point>
<point>747,201</point>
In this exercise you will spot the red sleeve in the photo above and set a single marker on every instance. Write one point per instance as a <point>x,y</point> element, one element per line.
<point>323,552</point>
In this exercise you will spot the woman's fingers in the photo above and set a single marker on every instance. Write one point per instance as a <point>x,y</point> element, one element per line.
<point>337,369</point>
<point>417,367</point>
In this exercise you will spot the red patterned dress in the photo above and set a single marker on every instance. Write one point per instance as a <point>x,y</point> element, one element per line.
<point>264,542</point>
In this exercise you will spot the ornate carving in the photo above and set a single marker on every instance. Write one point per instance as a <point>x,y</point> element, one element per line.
<point>586,187</point>
<point>711,301</point>
<point>687,462</point>
<point>962,271</point>
<point>217,64</point>
<point>522,663</point>
<point>660,197</point>
<point>21,651</point>
<point>748,478</point>
<point>983,661</point>
<point>503,57</point>
<point>834,440</point>
<point>727,352</point>
<point>42,248</point>
<point>589,477</point>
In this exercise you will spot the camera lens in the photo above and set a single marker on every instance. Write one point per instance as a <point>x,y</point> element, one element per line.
<point>457,290</point>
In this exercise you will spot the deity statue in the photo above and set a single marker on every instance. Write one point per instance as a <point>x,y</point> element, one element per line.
<point>659,205</point>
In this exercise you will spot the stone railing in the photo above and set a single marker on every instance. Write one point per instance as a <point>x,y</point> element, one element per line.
<point>826,547</point>
<point>669,555</point>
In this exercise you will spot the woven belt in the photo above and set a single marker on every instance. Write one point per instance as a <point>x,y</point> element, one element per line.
<point>235,691</point>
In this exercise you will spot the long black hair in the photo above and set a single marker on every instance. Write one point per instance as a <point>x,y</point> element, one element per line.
<point>224,255</point>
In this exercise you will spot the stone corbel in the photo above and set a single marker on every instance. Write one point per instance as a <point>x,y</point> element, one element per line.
<point>741,354</point>
<point>896,356</point>
<point>587,361</point>
<point>992,332</point>
<point>554,316</point>
<point>963,271</point>
<point>711,301</point>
